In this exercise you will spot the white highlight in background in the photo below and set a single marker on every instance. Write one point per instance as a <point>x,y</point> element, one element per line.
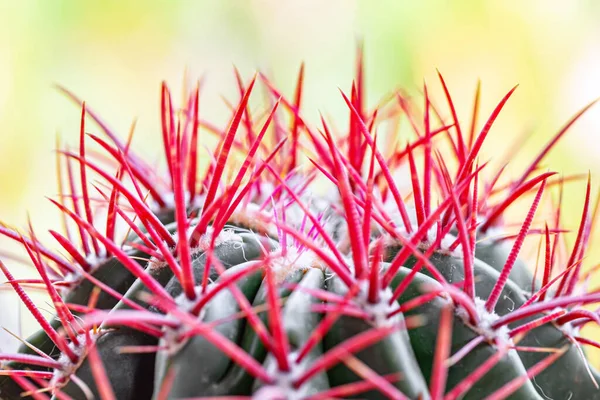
<point>10,309</point>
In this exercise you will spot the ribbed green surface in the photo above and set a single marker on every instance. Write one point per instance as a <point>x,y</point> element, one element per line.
<point>202,369</point>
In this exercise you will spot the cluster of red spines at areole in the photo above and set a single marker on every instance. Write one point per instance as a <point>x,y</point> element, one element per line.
<point>271,176</point>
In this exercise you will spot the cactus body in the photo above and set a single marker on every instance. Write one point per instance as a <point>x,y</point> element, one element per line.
<point>240,281</point>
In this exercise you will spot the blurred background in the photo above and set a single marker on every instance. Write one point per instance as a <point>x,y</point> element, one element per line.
<point>114,54</point>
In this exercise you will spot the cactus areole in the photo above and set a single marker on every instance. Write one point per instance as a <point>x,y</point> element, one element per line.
<point>302,259</point>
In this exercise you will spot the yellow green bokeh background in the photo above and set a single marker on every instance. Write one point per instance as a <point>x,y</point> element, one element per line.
<point>114,54</point>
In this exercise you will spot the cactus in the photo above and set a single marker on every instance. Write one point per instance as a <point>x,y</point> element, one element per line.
<point>292,262</point>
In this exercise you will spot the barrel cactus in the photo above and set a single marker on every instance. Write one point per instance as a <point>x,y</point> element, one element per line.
<point>295,261</point>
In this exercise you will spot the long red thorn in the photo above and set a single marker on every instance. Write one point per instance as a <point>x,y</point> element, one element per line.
<point>111,213</point>
<point>439,371</point>
<point>547,263</point>
<point>63,313</point>
<point>31,360</point>
<point>557,219</point>
<point>144,213</point>
<point>464,237</point>
<point>167,119</point>
<point>127,262</point>
<point>295,127</point>
<point>414,177</point>
<point>475,114</point>
<point>523,329</point>
<point>181,219</point>
<point>427,167</point>
<point>14,235</point>
<point>359,105</point>
<point>193,156</point>
<point>359,253</point>
<point>75,204</point>
<point>140,174</point>
<point>466,166</point>
<point>514,195</point>
<point>32,390</point>
<point>374,280</point>
<point>72,250</point>
<point>231,349</point>
<point>410,247</point>
<point>514,252</point>
<point>82,170</point>
<point>354,137</point>
<point>382,164</point>
<point>247,116</point>
<point>50,331</point>
<point>579,242</point>
<point>99,373</point>
<point>544,289</point>
<point>557,302</point>
<point>534,164</point>
<point>365,372</point>
<point>349,390</point>
<point>225,212</point>
<point>461,143</point>
<point>368,210</point>
<point>474,212</point>
<point>280,340</point>
<point>337,353</point>
<point>467,383</point>
<point>318,226</point>
<point>585,315</point>
<point>226,146</point>
<point>587,341</point>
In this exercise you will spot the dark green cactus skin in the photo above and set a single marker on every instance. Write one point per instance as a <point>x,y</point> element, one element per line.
<point>189,379</point>
<point>407,351</point>
<point>571,365</point>
<point>575,379</point>
<point>130,379</point>
<point>138,366</point>
<point>392,354</point>
<point>134,367</point>
<point>299,322</point>
<point>423,337</point>
<point>579,383</point>
<point>113,274</point>
<point>495,254</point>
<point>228,253</point>
<point>237,380</point>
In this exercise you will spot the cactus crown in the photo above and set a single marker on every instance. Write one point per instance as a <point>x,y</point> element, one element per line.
<point>299,261</point>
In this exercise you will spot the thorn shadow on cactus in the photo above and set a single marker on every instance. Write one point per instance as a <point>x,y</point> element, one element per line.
<point>294,261</point>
